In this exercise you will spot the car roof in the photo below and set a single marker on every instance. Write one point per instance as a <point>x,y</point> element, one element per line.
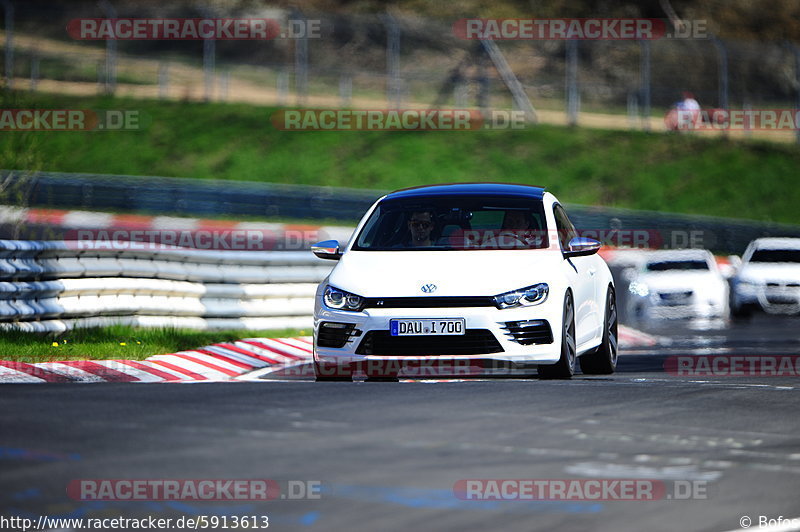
<point>676,255</point>
<point>470,189</point>
<point>777,243</point>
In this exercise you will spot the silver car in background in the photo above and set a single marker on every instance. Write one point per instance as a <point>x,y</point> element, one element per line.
<point>768,279</point>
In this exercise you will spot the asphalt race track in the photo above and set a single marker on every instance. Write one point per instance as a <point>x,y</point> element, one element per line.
<point>388,455</point>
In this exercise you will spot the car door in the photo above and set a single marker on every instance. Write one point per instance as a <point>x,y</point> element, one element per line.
<point>582,274</point>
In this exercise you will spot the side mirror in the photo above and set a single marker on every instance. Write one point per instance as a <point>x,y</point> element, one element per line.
<point>328,249</point>
<point>580,247</point>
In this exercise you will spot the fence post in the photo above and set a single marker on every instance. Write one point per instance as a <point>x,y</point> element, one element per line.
<point>9,15</point>
<point>300,61</point>
<point>796,52</point>
<point>345,90</point>
<point>633,110</point>
<point>111,51</point>
<point>573,103</point>
<point>747,125</point>
<point>34,70</point>
<point>393,82</point>
<point>163,80</point>
<point>644,69</point>
<point>209,62</point>
<point>482,95</point>
<point>722,51</point>
<point>282,87</point>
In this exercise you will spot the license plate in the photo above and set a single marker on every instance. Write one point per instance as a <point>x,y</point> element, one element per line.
<point>427,327</point>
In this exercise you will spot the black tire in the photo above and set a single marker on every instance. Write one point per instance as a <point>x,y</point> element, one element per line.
<point>604,360</point>
<point>742,312</point>
<point>327,373</point>
<point>565,367</point>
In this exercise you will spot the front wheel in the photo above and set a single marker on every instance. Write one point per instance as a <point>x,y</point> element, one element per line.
<point>604,360</point>
<point>565,367</point>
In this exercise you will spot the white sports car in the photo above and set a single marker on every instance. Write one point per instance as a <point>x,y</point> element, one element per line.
<point>474,271</point>
<point>683,283</point>
<point>769,278</point>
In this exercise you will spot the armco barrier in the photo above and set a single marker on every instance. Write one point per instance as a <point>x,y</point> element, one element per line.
<point>198,197</point>
<point>57,285</point>
<point>186,197</point>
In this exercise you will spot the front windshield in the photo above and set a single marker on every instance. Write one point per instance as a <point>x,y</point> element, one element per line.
<point>673,265</point>
<point>776,255</point>
<point>454,223</point>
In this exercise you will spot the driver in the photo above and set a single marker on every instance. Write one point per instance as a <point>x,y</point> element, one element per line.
<point>420,226</point>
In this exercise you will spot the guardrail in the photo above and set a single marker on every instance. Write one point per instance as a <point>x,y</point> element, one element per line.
<point>198,197</point>
<point>186,197</point>
<point>57,285</point>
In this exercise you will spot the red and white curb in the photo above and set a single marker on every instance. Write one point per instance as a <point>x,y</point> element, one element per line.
<point>630,337</point>
<point>218,362</point>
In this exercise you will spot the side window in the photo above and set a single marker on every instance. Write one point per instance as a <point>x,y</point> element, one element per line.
<point>566,231</point>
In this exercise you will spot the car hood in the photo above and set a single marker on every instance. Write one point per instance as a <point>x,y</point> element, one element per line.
<point>455,273</point>
<point>764,272</point>
<point>679,281</point>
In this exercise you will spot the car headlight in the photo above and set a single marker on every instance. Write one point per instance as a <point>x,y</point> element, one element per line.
<point>639,289</point>
<point>341,300</point>
<point>530,295</point>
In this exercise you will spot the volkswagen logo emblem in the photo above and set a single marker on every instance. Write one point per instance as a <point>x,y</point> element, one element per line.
<point>429,288</point>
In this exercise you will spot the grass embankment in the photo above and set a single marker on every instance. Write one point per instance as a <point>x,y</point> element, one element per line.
<point>117,342</point>
<point>667,172</point>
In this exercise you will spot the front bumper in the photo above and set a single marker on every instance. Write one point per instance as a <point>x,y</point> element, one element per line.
<point>769,296</point>
<point>489,319</point>
<point>654,306</point>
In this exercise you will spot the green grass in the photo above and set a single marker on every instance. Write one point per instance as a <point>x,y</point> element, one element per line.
<point>117,342</point>
<point>668,172</point>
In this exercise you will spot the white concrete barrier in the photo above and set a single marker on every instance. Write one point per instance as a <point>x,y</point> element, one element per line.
<point>57,285</point>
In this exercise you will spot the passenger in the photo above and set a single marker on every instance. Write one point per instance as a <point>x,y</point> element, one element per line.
<point>517,231</point>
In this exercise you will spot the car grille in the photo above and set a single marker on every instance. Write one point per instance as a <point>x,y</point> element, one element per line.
<point>335,335</point>
<point>676,298</point>
<point>429,302</point>
<point>529,332</point>
<point>472,342</point>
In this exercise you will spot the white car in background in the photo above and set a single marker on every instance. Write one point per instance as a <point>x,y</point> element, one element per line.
<point>685,283</point>
<point>769,278</point>
<point>466,272</point>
